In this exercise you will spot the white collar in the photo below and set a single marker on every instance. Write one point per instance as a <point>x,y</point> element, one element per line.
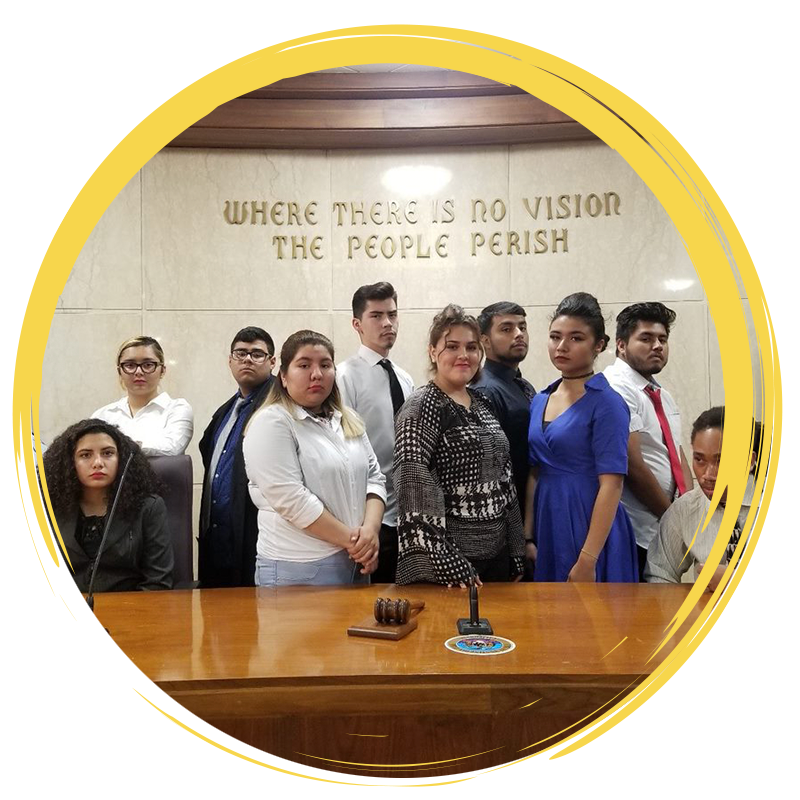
<point>162,400</point>
<point>301,413</point>
<point>370,356</point>
<point>636,378</point>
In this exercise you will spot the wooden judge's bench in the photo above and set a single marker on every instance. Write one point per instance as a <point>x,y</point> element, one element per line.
<point>276,669</point>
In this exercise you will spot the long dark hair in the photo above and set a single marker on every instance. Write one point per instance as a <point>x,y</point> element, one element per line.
<point>278,394</point>
<point>62,480</point>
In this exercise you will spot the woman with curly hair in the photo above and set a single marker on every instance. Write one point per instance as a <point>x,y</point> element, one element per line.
<point>459,517</point>
<point>82,468</point>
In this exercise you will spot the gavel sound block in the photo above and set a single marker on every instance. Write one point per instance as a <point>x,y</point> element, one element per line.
<point>393,619</point>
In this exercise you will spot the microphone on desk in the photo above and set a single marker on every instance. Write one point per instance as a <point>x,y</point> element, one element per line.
<point>90,595</point>
<point>474,625</point>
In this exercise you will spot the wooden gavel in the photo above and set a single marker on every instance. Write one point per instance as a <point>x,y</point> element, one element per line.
<point>396,612</point>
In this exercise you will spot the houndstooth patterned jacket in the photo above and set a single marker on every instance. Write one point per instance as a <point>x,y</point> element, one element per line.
<point>456,496</point>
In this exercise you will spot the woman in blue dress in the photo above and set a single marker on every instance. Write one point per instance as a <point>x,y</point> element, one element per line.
<point>578,446</point>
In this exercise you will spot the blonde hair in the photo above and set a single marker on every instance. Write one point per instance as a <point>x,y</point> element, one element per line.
<point>141,341</point>
<point>352,424</point>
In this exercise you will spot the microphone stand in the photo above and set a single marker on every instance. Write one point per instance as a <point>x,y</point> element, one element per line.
<point>90,595</point>
<point>475,624</point>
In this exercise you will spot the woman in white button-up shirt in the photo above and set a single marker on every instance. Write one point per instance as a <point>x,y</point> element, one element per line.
<point>159,424</point>
<point>313,475</point>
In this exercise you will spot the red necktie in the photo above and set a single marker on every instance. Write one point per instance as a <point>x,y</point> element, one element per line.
<point>654,393</point>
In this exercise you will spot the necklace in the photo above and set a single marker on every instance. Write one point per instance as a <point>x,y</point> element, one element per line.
<point>577,377</point>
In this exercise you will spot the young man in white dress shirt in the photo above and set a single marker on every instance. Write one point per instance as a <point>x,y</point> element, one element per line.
<point>657,468</point>
<point>376,388</point>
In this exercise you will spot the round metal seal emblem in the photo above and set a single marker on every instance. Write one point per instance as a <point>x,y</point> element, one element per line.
<point>480,645</point>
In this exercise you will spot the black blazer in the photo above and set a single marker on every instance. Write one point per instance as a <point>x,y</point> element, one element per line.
<point>244,513</point>
<point>137,553</point>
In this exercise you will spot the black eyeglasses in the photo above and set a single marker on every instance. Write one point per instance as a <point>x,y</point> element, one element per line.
<point>147,367</point>
<point>256,356</point>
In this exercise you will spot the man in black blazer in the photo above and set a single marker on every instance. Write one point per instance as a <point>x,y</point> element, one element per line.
<point>228,518</point>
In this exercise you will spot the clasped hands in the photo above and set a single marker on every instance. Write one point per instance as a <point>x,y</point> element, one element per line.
<point>364,546</point>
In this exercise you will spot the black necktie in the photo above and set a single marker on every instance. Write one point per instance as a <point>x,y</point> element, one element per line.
<point>394,385</point>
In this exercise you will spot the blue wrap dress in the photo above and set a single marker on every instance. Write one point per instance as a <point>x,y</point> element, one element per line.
<point>589,439</point>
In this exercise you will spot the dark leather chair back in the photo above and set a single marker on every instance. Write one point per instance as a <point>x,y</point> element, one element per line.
<point>175,472</point>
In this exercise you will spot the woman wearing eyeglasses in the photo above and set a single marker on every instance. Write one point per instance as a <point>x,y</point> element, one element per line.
<point>159,424</point>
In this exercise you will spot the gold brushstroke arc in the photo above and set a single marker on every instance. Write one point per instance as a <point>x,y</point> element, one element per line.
<point>394,766</point>
<point>613,649</point>
<point>564,730</point>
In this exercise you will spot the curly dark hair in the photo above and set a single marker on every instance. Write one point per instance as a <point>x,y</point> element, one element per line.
<point>62,480</point>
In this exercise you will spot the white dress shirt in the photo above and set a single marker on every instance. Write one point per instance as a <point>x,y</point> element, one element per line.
<point>626,381</point>
<point>364,386</point>
<point>163,427</point>
<point>299,465</point>
<point>680,546</point>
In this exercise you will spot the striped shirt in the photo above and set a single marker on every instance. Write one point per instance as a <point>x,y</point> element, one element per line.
<point>679,547</point>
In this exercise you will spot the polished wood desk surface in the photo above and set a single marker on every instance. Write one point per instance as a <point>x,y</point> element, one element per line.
<point>276,669</point>
<point>262,636</point>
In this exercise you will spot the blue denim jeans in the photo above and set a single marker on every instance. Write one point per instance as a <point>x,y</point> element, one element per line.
<point>331,571</point>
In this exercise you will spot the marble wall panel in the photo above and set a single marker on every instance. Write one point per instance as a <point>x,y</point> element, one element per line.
<point>716,383</point>
<point>194,259</point>
<point>204,279</point>
<point>108,271</point>
<point>424,176</point>
<point>196,345</point>
<point>717,386</point>
<point>636,255</point>
<point>79,370</point>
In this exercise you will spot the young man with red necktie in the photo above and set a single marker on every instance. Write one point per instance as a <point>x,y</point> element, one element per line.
<point>658,471</point>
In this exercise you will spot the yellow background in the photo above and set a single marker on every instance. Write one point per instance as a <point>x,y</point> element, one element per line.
<point>96,102</point>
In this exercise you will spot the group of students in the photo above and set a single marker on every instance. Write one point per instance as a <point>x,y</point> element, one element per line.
<point>329,474</point>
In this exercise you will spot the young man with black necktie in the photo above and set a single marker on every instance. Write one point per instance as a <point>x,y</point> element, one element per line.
<point>658,472</point>
<point>375,387</point>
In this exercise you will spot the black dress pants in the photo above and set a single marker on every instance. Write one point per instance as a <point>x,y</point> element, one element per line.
<point>387,556</point>
<point>493,569</point>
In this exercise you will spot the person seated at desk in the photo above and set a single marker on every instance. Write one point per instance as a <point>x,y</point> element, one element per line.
<point>458,510</point>
<point>312,475</point>
<point>160,425</point>
<point>82,468</point>
<point>680,547</point>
